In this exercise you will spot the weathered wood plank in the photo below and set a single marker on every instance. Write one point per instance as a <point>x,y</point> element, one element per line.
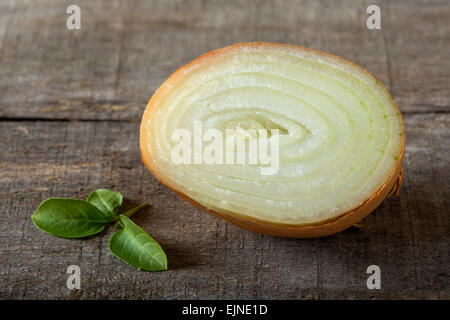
<point>407,237</point>
<point>110,68</point>
<point>418,41</point>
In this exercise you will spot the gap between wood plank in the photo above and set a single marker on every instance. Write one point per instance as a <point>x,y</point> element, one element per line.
<point>43,119</point>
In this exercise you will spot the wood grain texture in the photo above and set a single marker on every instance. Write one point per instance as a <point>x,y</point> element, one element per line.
<point>70,105</point>
<point>125,49</point>
<point>209,258</point>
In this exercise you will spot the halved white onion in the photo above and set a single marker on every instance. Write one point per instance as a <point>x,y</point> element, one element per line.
<point>341,137</point>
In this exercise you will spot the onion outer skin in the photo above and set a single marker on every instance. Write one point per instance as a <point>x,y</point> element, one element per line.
<point>321,229</point>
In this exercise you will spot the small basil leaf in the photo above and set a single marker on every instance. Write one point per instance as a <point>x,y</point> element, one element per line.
<point>69,218</point>
<point>107,201</point>
<point>137,248</point>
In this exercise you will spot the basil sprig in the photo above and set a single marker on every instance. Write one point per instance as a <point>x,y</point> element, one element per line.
<point>75,218</point>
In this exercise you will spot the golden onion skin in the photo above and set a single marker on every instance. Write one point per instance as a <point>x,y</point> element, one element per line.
<point>304,230</point>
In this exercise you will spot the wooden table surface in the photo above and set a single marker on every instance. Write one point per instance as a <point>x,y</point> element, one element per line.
<point>70,107</point>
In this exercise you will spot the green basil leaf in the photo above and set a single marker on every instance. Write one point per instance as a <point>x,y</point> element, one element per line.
<point>137,248</point>
<point>107,201</point>
<point>69,218</point>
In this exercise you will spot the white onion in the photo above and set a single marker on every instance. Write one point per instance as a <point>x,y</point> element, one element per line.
<point>341,133</point>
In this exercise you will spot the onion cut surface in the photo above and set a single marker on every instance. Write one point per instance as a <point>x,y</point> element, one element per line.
<point>341,138</point>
